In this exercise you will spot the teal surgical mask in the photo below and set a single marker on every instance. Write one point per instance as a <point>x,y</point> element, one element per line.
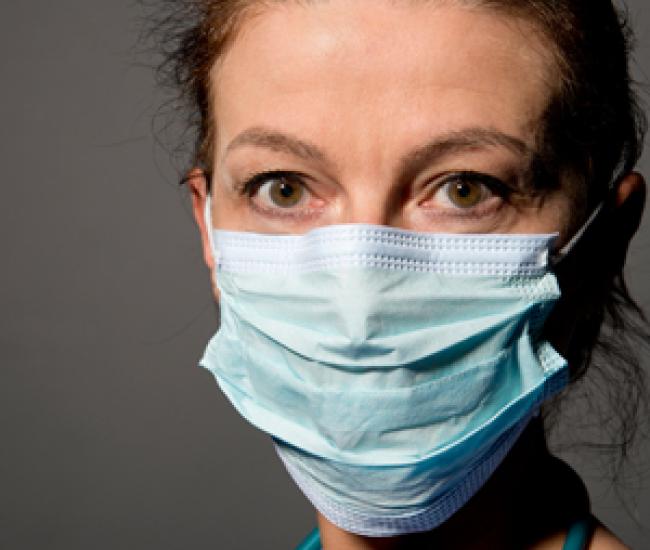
<point>394,369</point>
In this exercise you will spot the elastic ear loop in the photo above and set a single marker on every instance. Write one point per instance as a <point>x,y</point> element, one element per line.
<point>558,256</point>
<point>207,216</point>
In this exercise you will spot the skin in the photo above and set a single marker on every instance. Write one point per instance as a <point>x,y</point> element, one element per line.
<point>374,113</point>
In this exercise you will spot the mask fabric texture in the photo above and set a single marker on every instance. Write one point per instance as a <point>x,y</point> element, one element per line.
<point>394,369</point>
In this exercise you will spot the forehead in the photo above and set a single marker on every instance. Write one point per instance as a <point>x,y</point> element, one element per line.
<point>395,69</point>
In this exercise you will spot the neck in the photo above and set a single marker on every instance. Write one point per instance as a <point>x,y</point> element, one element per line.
<point>530,496</point>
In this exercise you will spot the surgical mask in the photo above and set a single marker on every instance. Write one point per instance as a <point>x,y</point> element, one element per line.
<point>393,369</point>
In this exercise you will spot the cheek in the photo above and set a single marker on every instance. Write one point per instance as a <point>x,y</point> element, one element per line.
<point>549,214</point>
<point>228,209</point>
<point>566,214</point>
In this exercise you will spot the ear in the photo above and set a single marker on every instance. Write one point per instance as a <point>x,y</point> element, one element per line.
<point>198,185</point>
<point>630,203</point>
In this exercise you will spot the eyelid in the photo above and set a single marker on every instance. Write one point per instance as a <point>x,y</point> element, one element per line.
<point>496,193</point>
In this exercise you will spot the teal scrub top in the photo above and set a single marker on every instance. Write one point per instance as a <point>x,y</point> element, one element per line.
<point>577,538</point>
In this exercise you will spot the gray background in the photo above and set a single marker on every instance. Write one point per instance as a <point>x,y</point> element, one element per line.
<point>110,435</point>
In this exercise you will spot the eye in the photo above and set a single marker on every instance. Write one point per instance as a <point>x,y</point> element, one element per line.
<point>469,191</point>
<point>283,190</point>
<point>465,194</point>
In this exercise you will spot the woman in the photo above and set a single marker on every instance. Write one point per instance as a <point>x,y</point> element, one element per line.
<point>390,196</point>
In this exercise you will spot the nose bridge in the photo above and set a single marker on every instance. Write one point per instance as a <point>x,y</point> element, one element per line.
<point>372,201</point>
<point>367,175</point>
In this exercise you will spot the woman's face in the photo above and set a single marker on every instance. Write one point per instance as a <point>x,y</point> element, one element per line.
<point>422,116</point>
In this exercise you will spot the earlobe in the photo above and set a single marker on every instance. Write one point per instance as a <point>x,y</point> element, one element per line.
<point>198,186</point>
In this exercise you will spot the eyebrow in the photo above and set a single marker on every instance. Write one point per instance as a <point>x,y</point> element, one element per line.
<point>467,139</point>
<point>258,136</point>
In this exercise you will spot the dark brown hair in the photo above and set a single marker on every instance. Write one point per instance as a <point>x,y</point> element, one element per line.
<point>592,133</point>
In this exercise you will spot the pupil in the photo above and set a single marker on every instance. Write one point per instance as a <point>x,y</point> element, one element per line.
<point>285,193</point>
<point>463,190</point>
<point>286,190</point>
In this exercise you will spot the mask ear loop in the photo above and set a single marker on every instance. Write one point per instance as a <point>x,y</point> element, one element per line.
<point>558,256</point>
<point>562,253</point>
<point>207,216</point>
